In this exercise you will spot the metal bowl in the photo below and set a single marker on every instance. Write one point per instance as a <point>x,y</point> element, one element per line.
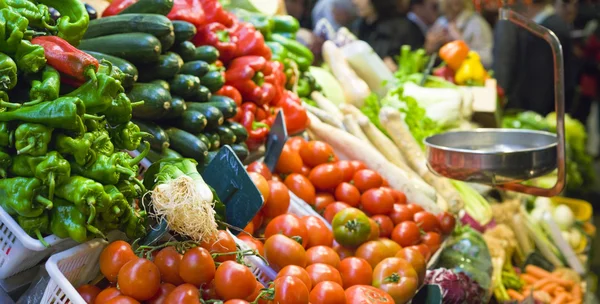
<point>492,156</point>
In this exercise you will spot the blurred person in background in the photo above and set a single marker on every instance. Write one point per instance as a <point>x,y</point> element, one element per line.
<point>422,15</point>
<point>301,10</point>
<point>339,13</point>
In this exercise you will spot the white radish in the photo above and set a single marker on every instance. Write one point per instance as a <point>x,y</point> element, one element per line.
<point>353,128</point>
<point>326,105</point>
<point>324,116</point>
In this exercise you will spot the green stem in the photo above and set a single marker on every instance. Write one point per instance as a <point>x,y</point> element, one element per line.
<point>26,148</point>
<point>137,103</point>
<point>95,231</point>
<point>41,238</point>
<point>138,182</point>
<point>116,210</point>
<point>141,156</point>
<point>100,138</point>
<point>44,201</point>
<point>51,185</point>
<point>91,201</point>
<point>33,102</point>
<point>10,105</point>
<point>125,171</point>
<point>92,117</point>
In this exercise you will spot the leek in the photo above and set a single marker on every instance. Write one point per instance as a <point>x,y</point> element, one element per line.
<point>475,205</point>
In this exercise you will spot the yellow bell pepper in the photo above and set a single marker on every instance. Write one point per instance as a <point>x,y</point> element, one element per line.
<point>471,71</point>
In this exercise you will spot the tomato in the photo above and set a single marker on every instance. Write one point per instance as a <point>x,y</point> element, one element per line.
<point>433,240</point>
<point>328,293</point>
<point>385,223</point>
<point>88,293</point>
<point>399,197</point>
<point>236,301</point>
<point>113,257</point>
<point>261,183</point>
<point>230,274</point>
<point>281,251</point>
<point>257,220</point>
<point>406,234</point>
<point>289,290</point>
<point>288,225</point>
<point>276,177</point>
<point>167,260</point>
<point>423,250</point>
<point>139,279</point>
<point>384,183</point>
<point>347,193</point>
<point>374,230</point>
<point>447,222</point>
<point>322,272</point>
<point>279,200</point>
<point>222,244</point>
<point>122,300</point>
<point>342,251</point>
<point>289,161</point>
<point>316,152</point>
<point>326,176</point>
<point>414,208</point>
<point>197,267</point>
<point>347,169</point>
<point>414,257</point>
<point>260,168</point>
<point>366,294</point>
<point>208,291</point>
<point>396,277</point>
<point>305,171</point>
<point>322,254</point>
<point>295,143</point>
<point>249,228</point>
<point>253,243</point>
<point>351,227</point>
<point>301,187</point>
<point>161,296</point>
<point>107,294</point>
<point>357,165</point>
<point>184,294</point>
<point>355,271</point>
<point>366,179</point>
<point>401,213</point>
<point>377,201</point>
<point>333,209</point>
<point>322,200</point>
<point>297,272</point>
<point>257,290</point>
<point>427,221</point>
<point>318,232</point>
<point>373,252</point>
<point>391,246</point>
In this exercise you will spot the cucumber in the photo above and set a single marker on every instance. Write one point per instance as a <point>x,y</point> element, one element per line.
<point>170,153</point>
<point>197,68</point>
<point>215,140</point>
<point>213,80</point>
<point>211,155</point>
<point>134,47</point>
<point>207,53</point>
<point>213,116</point>
<point>163,83</point>
<point>186,50</point>
<point>185,85</point>
<point>184,31</point>
<point>177,108</point>
<point>240,132</point>
<point>159,140</point>
<point>203,94</point>
<point>130,71</point>
<point>167,41</point>
<point>225,104</point>
<point>161,7</point>
<point>187,144</point>
<point>153,156</point>
<point>153,24</point>
<point>167,66</point>
<point>227,136</point>
<point>191,121</point>
<point>241,150</point>
<point>204,139</point>
<point>157,100</point>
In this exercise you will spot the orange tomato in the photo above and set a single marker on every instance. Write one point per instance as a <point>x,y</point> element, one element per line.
<point>301,187</point>
<point>289,161</point>
<point>355,271</point>
<point>322,254</point>
<point>314,153</point>
<point>322,272</point>
<point>261,184</point>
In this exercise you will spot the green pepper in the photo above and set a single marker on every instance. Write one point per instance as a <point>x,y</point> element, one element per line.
<point>24,165</point>
<point>35,226</point>
<point>54,170</point>
<point>6,135</point>
<point>101,142</point>
<point>46,89</point>
<point>285,24</point>
<point>296,51</point>
<point>13,29</point>
<point>118,201</point>
<point>106,169</point>
<point>66,221</point>
<point>37,15</point>
<point>32,139</point>
<point>80,148</point>
<point>22,196</point>
<point>8,72</point>
<point>30,57</point>
<point>279,52</point>
<point>106,67</point>
<point>130,190</point>
<point>120,110</point>
<point>127,136</point>
<point>97,94</point>
<point>95,125</point>
<point>5,162</point>
<point>303,89</point>
<point>74,19</point>
<point>83,193</point>
<point>133,223</point>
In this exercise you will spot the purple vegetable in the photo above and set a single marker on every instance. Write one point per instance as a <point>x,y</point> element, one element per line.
<point>457,288</point>
<point>466,219</point>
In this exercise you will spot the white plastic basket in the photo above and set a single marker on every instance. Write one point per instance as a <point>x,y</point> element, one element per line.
<point>260,269</point>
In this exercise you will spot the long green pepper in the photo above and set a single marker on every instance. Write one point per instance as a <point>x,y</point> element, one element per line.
<point>22,196</point>
<point>80,148</point>
<point>32,139</point>
<point>127,136</point>
<point>13,28</point>
<point>6,135</point>
<point>8,70</point>
<point>45,89</point>
<point>120,110</point>
<point>67,221</point>
<point>53,171</point>
<point>30,57</point>
<point>38,15</point>
<point>83,193</point>
<point>5,162</point>
<point>36,226</point>
<point>102,143</point>
<point>97,94</point>
<point>74,19</point>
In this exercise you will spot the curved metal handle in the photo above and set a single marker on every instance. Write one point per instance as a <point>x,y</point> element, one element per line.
<point>559,100</point>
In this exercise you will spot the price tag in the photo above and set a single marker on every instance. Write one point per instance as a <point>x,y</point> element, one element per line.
<point>429,294</point>
<point>275,141</point>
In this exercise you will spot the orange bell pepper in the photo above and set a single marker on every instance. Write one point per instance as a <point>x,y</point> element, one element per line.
<point>454,53</point>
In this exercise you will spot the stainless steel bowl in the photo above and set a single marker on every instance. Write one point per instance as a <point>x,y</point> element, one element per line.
<point>492,156</point>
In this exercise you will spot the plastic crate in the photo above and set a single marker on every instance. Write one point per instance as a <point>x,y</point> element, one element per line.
<point>260,269</point>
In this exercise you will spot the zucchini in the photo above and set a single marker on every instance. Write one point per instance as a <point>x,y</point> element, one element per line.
<point>207,53</point>
<point>152,24</point>
<point>157,100</point>
<point>167,41</point>
<point>211,155</point>
<point>170,153</point>
<point>163,83</point>
<point>215,140</point>
<point>161,7</point>
<point>159,140</point>
<point>187,144</point>
<point>129,70</point>
<point>197,68</point>
<point>213,116</point>
<point>204,139</point>
<point>227,136</point>
<point>203,94</point>
<point>184,85</point>
<point>240,132</point>
<point>186,50</point>
<point>241,150</point>
<point>167,66</point>
<point>177,108</point>
<point>191,121</point>
<point>225,104</point>
<point>184,31</point>
<point>134,47</point>
<point>213,80</point>
<point>152,156</point>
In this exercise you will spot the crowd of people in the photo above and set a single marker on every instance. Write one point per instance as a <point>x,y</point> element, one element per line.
<point>521,62</point>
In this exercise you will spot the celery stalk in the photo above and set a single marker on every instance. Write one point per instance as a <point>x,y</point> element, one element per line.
<point>475,205</point>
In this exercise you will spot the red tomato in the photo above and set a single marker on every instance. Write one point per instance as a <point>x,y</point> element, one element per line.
<point>391,246</point>
<point>433,240</point>
<point>322,200</point>
<point>257,291</point>
<point>236,301</point>
<point>290,290</point>
<point>384,183</point>
<point>88,293</point>
<point>423,250</point>
<point>234,281</point>
<point>366,294</point>
<point>252,243</point>
<point>406,234</point>
<point>279,200</point>
<point>261,183</point>
<point>161,296</point>
<point>249,228</point>
<point>305,171</point>
<point>222,244</point>
<point>295,143</point>
<point>328,293</point>
<point>197,267</point>
<point>288,225</point>
<point>355,271</point>
<point>260,168</point>
<point>377,201</point>
<point>347,193</point>
<point>414,208</point>
<point>342,251</point>
<point>316,152</point>
<point>322,254</point>
<point>257,220</point>
<point>139,279</point>
<point>184,294</point>
<point>401,289</point>
<point>281,251</point>
<point>401,213</point>
<point>333,209</point>
<point>107,294</point>
<point>325,176</point>
<point>427,221</point>
<point>122,300</point>
<point>373,252</point>
<point>208,291</point>
<point>301,187</point>
<point>357,165</point>
<point>366,179</point>
<point>276,177</point>
<point>346,168</point>
<point>399,197</point>
<point>322,272</point>
<point>447,222</point>
<point>385,223</point>
<point>289,161</point>
<point>414,257</point>
<point>297,272</point>
<point>374,235</point>
<point>318,232</point>
<point>167,260</point>
<point>113,257</point>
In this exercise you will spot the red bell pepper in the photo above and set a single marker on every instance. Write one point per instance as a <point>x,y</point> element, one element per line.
<point>247,74</point>
<point>277,78</point>
<point>220,37</point>
<point>66,58</point>
<point>296,119</point>
<point>250,41</point>
<point>445,72</point>
<point>257,130</point>
<point>232,93</point>
<point>214,12</point>
<point>187,10</point>
<point>117,6</point>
